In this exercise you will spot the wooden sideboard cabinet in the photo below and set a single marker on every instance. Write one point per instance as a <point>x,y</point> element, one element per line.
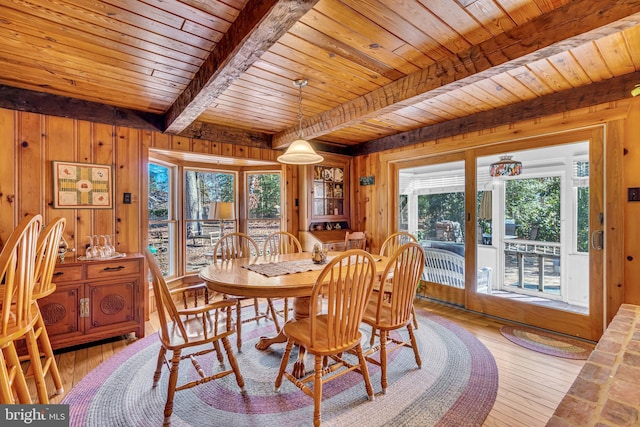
<point>330,240</point>
<point>95,300</point>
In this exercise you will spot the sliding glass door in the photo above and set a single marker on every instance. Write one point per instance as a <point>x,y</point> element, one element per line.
<point>432,207</point>
<point>516,234</point>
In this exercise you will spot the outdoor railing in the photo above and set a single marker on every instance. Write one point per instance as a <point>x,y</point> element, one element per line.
<point>530,248</point>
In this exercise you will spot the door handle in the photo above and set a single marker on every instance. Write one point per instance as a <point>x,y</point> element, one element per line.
<point>597,240</point>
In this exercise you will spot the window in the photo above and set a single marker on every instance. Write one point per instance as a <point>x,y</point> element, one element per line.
<point>581,185</point>
<point>162,220</point>
<point>264,201</point>
<point>201,188</point>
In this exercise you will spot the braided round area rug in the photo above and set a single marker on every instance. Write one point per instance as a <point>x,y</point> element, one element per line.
<point>547,342</point>
<point>456,386</point>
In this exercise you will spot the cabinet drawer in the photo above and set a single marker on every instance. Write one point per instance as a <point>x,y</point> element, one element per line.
<point>67,273</point>
<point>115,268</point>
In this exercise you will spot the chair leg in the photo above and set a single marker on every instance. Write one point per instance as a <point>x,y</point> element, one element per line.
<point>317,390</point>
<point>286,310</point>
<point>383,361</point>
<point>364,369</point>
<point>15,370</point>
<point>239,326</point>
<point>36,366</point>
<point>50,365</point>
<point>415,318</point>
<point>414,345</point>
<point>216,346</point>
<point>283,364</point>
<point>6,393</point>
<point>158,372</point>
<point>256,308</point>
<point>274,314</point>
<point>234,363</point>
<point>171,387</point>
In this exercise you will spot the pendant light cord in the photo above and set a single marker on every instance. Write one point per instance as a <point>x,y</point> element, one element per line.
<point>300,83</point>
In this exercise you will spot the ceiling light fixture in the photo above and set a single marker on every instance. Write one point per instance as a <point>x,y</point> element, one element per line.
<point>300,151</point>
<point>505,167</point>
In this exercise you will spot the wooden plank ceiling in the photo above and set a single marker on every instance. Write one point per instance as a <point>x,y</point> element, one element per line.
<point>381,73</point>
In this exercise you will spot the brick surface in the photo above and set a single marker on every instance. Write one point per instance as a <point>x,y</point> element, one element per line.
<point>620,414</point>
<point>606,391</point>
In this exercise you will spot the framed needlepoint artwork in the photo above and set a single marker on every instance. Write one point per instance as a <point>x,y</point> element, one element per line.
<point>82,185</point>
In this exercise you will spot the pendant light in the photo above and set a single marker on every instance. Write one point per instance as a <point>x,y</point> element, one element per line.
<point>300,151</point>
<point>505,167</point>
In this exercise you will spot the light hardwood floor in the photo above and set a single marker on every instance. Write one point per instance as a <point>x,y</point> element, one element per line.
<point>530,384</point>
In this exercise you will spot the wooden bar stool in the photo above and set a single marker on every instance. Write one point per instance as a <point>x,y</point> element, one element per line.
<point>17,311</point>
<point>46,254</point>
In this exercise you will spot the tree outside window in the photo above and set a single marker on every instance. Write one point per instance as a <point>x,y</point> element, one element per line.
<point>201,188</point>
<point>264,201</point>
<point>162,221</point>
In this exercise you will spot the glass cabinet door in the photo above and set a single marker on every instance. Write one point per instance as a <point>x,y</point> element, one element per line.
<point>328,191</point>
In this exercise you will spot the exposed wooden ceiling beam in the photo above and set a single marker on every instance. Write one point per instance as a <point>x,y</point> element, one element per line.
<point>227,134</point>
<point>260,24</point>
<point>13,98</point>
<point>571,25</point>
<point>597,93</point>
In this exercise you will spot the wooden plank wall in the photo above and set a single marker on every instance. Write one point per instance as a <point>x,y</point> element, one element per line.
<point>30,142</point>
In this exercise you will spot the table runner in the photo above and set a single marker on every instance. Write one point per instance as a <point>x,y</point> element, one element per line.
<point>272,269</point>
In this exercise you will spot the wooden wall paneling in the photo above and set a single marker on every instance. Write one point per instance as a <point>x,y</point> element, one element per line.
<point>60,139</point>
<point>180,143</point>
<point>128,179</point>
<point>82,148</point>
<point>146,141</point>
<point>200,146</point>
<point>631,166</point>
<point>614,217</point>
<point>226,149</point>
<point>240,151</point>
<point>370,203</point>
<point>8,185</point>
<point>216,148</point>
<point>161,140</point>
<point>290,186</point>
<point>104,153</point>
<point>29,164</point>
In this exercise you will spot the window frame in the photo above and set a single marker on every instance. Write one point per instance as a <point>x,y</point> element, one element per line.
<point>187,221</point>
<point>172,220</point>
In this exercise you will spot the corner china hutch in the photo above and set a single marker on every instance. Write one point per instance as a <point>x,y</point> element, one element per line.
<point>325,197</point>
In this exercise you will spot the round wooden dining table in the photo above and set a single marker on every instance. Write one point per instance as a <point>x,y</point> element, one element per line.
<point>236,278</point>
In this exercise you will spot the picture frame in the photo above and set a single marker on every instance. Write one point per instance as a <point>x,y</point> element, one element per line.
<point>82,185</point>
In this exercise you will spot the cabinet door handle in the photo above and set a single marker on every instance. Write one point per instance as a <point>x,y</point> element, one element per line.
<point>58,273</point>
<point>118,268</point>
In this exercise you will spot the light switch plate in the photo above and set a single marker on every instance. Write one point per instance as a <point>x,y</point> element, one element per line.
<point>633,194</point>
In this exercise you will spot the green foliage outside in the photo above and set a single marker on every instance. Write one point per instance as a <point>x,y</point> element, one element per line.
<point>534,204</point>
<point>264,196</point>
<point>438,207</point>
<point>583,219</point>
<point>158,192</point>
<point>202,188</point>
